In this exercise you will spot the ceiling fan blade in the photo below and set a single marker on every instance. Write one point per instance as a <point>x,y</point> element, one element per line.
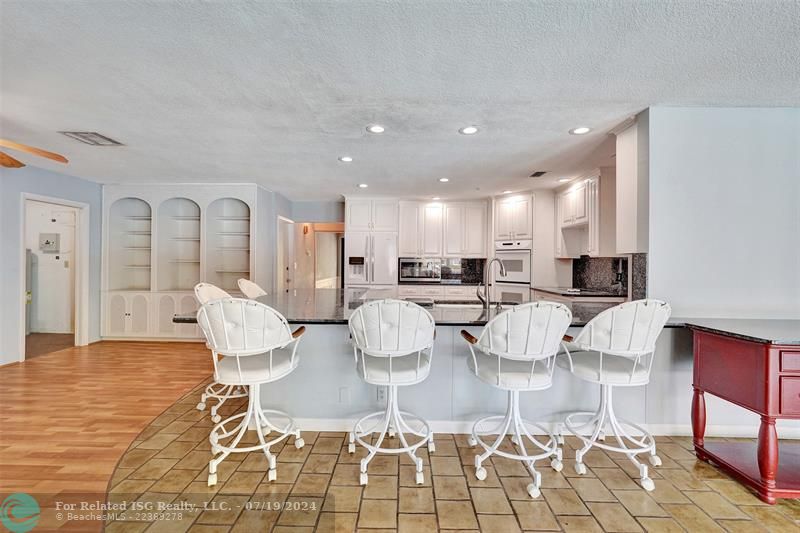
<point>9,162</point>
<point>32,150</point>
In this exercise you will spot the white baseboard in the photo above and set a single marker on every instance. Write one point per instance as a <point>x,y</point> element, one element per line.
<point>455,426</point>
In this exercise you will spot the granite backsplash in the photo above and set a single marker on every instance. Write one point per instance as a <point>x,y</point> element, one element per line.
<point>601,273</point>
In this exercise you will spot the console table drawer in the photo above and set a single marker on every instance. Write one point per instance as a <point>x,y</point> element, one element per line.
<point>790,361</point>
<point>790,396</point>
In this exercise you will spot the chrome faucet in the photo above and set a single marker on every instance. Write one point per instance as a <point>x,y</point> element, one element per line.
<point>484,298</point>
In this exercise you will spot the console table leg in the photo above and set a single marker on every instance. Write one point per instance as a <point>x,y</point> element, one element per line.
<point>699,421</point>
<point>768,451</point>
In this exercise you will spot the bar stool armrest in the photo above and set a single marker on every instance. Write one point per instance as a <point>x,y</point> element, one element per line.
<point>298,332</point>
<point>468,337</point>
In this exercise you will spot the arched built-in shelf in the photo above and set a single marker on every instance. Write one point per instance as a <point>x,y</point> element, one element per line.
<point>228,242</point>
<point>178,252</point>
<point>130,223</point>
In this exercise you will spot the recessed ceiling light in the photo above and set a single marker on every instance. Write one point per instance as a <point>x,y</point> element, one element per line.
<point>375,128</point>
<point>506,192</point>
<point>362,185</point>
<point>564,180</point>
<point>581,130</point>
<point>435,198</point>
<point>346,159</point>
<point>468,130</point>
<point>444,180</point>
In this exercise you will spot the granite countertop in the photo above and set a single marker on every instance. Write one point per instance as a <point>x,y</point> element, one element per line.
<point>771,331</point>
<point>584,293</point>
<point>334,306</point>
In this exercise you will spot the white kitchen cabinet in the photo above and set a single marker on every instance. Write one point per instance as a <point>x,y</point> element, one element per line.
<point>465,229</point>
<point>574,210</point>
<point>591,199</point>
<point>514,218</point>
<point>410,229</point>
<point>420,229</point>
<point>127,314</point>
<point>371,214</point>
<point>170,304</point>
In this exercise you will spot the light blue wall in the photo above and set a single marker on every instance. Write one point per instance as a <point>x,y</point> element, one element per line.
<point>14,182</point>
<point>318,211</point>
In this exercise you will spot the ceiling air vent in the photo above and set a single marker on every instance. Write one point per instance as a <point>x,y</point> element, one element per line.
<point>91,137</point>
<point>538,173</point>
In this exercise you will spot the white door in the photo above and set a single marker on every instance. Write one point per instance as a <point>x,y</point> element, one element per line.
<point>523,219</point>
<point>474,240</point>
<point>503,223</point>
<point>432,230</point>
<point>410,230</point>
<point>166,310</point>
<point>358,215</point>
<point>384,259</point>
<point>384,215</point>
<point>453,231</point>
<point>285,259</point>
<point>139,315</point>
<point>357,260</point>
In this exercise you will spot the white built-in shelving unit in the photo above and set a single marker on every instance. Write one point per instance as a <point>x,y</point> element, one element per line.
<point>228,239</point>
<point>161,240</point>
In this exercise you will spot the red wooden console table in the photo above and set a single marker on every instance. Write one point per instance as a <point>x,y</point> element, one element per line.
<point>754,364</point>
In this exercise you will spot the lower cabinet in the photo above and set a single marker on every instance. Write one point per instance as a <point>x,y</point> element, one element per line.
<point>149,315</point>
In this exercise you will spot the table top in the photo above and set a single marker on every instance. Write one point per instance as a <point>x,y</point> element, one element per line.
<point>766,330</point>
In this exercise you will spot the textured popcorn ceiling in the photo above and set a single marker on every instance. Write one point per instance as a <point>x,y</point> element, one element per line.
<point>273,93</point>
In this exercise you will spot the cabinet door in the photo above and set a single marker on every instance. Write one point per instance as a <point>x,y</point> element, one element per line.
<point>593,218</point>
<point>522,219</point>
<point>410,230</point>
<point>432,230</point>
<point>384,215</point>
<point>384,259</point>
<point>579,210</point>
<point>453,231</point>
<point>166,310</point>
<point>567,208</point>
<point>139,315</point>
<point>117,315</point>
<point>503,223</point>
<point>474,240</point>
<point>356,245</point>
<point>359,215</point>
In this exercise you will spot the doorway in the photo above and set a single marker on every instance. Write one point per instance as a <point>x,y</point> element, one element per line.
<point>50,277</point>
<point>329,260</point>
<point>285,256</point>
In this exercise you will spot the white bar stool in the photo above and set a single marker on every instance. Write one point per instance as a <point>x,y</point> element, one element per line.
<point>257,347</point>
<point>250,289</point>
<point>516,352</point>
<point>616,349</point>
<point>206,292</point>
<point>393,346</point>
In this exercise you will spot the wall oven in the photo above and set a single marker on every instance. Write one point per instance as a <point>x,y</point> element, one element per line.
<point>516,257</point>
<point>420,270</point>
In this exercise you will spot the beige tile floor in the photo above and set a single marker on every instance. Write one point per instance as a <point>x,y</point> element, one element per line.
<point>318,489</point>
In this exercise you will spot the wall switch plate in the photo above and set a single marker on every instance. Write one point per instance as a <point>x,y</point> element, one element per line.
<point>381,394</point>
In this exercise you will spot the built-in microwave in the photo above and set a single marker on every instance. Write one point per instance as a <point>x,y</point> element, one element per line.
<point>420,270</point>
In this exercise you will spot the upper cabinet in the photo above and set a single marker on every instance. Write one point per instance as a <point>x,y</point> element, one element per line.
<point>371,215</point>
<point>420,230</point>
<point>514,218</point>
<point>632,207</point>
<point>465,229</point>
<point>585,217</point>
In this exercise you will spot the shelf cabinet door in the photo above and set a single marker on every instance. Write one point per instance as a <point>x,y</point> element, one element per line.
<point>384,215</point>
<point>410,229</point>
<point>432,230</point>
<point>189,306</point>
<point>474,240</point>
<point>359,215</point>
<point>117,310</point>
<point>166,309</point>
<point>580,211</point>
<point>139,315</point>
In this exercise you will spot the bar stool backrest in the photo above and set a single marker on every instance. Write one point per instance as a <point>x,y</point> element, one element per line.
<point>629,329</point>
<point>526,331</point>
<point>387,328</point>
<point>240,327</point>
<point>206,292</point>
<point>250,289</point>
